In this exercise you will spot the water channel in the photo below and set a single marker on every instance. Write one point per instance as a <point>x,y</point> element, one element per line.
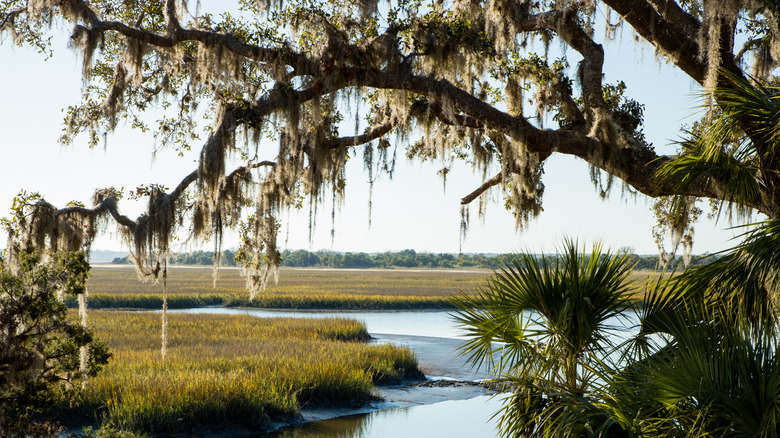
<point>446,411</point>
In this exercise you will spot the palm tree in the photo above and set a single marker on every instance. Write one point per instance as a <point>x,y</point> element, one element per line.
<point>738,146</point>
<point>545,327</point>
<point>709,371</point>
<point>706,358</point>
<point>701,363</point>
<point>709,362</point>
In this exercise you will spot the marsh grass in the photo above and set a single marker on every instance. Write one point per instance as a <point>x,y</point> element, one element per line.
<point>231,370</point>
<point>118,287</point>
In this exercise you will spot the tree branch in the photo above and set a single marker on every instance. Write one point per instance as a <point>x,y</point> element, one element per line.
<point>244,169</point>
<point>182,186</point>
<point>176,34</point>
<point>171,18</point>
<point>672,38</point>
<point>368,136</point>
<point>673,13</point>
<point>564,23</point>
<point>494,181</point>
<point>661,22</point>
<point>10,16</point>
<point>105,205</point>
<point>455,119</point>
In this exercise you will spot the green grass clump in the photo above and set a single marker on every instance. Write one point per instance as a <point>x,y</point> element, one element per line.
<point>340,302</point>
<point>231,370</point>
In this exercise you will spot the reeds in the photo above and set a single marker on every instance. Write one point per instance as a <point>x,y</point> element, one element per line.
<point>117,287</point>
<point>233,370</point>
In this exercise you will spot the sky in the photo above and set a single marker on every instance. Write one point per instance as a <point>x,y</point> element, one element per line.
<point>411,211</point>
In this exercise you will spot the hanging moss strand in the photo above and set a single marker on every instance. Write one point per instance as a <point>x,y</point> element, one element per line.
<point>164,331</point>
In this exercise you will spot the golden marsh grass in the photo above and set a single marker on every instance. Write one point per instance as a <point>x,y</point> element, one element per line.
<point>234,370</point>
<point>116,287</point>
<point>245,371</point>
<point>342,289</point>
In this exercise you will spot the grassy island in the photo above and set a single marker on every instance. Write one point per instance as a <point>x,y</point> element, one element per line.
<point>230,371</point>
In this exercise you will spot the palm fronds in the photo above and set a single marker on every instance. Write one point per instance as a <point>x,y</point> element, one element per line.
<point>737,149</point>
<point>715,377</point>
<point>745,278</point>
<point>543,324</point>
<point>705,360</point>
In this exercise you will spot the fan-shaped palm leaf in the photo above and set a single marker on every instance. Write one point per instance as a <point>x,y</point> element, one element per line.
<point>738,149</point>
<point>543,324</point>
<point>746,277</point>
<point>715,377</point>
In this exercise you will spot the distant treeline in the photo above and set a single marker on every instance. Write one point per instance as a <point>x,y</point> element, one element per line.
<point>407,258</point>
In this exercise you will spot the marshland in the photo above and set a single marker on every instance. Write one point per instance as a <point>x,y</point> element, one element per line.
<point>231,371</point>
<point>268,121</point>
<point>231,368</point>
<point>116,286</point>
<point>237,372</point>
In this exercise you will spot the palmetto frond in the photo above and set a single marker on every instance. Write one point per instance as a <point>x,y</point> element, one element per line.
<point>544,324</point>
<point>707,356</point>
<point>710,365</point>
<point>701,161</point>
<point>738,149</point>
<point>746,278</point>
<point>749,106</point>
<point>715,377</point>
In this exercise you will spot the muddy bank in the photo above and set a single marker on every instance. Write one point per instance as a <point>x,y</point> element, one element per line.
<point>449,379</point>
<point>452,418</point>
<point>437,357</point>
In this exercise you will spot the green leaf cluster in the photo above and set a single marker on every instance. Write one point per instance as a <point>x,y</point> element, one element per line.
<point>39,344</point>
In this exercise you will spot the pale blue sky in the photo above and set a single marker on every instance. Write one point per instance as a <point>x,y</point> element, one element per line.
<point>409,212</point>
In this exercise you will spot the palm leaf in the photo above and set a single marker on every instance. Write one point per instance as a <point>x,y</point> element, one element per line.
<point>543,324</point>
<point>725,153</point>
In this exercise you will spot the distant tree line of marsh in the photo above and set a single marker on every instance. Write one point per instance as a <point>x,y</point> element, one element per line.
<point>407,258</point>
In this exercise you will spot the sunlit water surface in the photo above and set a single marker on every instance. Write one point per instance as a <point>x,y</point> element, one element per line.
<point>435,324</point>
<point>433,336</point>
<point>455,418</point>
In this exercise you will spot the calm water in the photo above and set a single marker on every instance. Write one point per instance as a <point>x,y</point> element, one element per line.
<point>458,418</point>
<point>408,413</point>
<point>411,412</point>
<point>432,324</point>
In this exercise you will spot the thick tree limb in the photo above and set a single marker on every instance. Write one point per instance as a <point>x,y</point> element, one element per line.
<point>243,170</point>
<point>662,22</point>
<point>673,13</point>
<point>109,205</point>
<point>564,23</point>
<point>455,119</point>
<point>636,166</point>
<point>105,205</point>
<point>669,33</point>
<point>184,184</point>
<point>478,114</point>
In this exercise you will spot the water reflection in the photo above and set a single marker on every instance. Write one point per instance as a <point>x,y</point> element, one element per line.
<point>433,337</point>
<point>461,418</point>
<point>437,324</point>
